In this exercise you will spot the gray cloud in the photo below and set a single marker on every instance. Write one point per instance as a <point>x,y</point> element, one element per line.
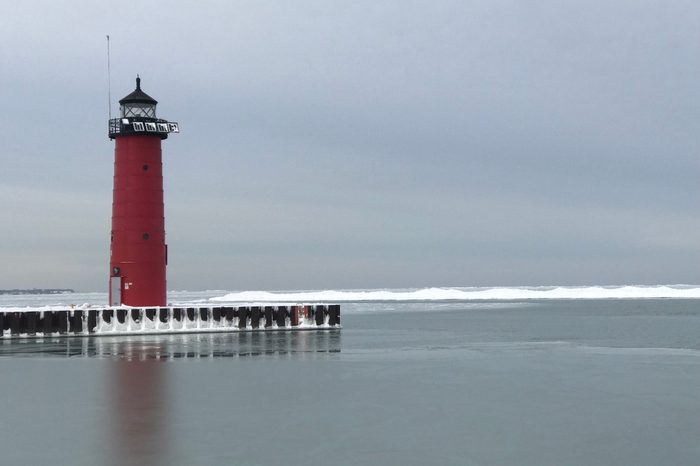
<point>362,144</point>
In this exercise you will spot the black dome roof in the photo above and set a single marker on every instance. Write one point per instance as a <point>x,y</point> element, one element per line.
<point>138,96</point>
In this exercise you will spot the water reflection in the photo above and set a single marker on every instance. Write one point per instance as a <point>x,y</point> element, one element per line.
<point>137,390</point>
<point>280,345</point>
<point>139,406</point>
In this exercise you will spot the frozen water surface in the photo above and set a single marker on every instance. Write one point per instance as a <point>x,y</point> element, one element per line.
<point>510,382</point>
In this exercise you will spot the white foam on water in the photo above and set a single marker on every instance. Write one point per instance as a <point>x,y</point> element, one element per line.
<point>506,295</point>
<point>468,294</point>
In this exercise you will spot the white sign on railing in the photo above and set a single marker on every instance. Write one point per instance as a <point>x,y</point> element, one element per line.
<point>138,126</point>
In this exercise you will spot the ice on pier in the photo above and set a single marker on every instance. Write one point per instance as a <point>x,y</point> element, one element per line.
<point>468,294</point>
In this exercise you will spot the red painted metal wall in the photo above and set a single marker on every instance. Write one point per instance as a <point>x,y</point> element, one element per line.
<point>138,225</point>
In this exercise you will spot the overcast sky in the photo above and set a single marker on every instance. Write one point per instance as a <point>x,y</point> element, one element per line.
<point>361,144</point>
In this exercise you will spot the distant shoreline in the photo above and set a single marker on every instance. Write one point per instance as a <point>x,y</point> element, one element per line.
<point>37,291</point>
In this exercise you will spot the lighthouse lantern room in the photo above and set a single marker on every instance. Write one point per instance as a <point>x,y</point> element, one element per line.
<point>138,252</point>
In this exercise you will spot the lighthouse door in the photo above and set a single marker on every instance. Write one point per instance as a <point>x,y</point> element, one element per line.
<point>115,288</point>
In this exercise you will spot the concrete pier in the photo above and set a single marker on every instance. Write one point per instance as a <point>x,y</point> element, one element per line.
<point>40,322</point>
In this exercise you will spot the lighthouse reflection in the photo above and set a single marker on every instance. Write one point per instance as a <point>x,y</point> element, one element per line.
<point>141,399</point>
<point>139,409</point>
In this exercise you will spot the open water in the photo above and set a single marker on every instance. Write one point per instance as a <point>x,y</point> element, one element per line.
<point>530,382</point>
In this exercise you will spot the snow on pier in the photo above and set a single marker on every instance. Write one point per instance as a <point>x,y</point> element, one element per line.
<point>55,321</point>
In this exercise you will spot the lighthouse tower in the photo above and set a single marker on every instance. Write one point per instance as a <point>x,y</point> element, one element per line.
<point>138,253</point>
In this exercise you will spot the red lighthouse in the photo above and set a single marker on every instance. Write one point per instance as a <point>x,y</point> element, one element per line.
<point>138,253</point>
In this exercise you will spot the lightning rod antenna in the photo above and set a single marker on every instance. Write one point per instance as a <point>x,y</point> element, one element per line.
<point>109,82</point>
